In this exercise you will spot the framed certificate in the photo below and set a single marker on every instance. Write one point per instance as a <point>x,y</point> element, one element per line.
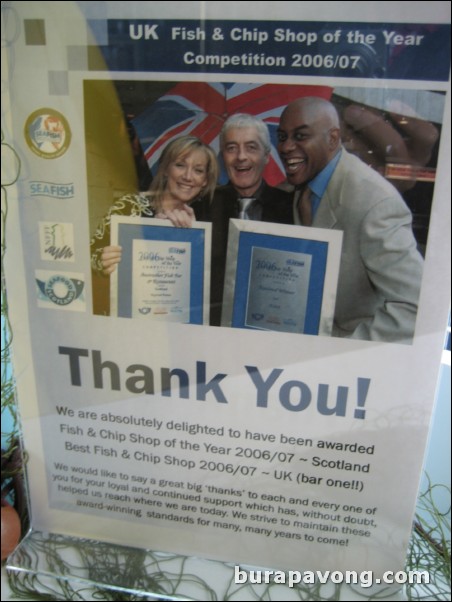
<point>163,270</point>
<point>281,278</point>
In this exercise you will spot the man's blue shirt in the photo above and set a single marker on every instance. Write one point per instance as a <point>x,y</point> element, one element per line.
<point>319,184</point>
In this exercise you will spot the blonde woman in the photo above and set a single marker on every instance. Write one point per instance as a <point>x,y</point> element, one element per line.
<point>188,171</point>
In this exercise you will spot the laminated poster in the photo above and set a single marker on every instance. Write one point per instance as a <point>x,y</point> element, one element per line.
<point>285,449</point>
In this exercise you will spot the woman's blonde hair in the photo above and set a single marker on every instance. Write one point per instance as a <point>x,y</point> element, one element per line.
<point>179,147</point>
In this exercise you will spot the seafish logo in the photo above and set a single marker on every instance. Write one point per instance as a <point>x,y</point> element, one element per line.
<point>52,190</point>
<point>47,133</point>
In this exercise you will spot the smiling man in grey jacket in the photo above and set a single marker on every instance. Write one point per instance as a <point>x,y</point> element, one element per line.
<point>381,269</point>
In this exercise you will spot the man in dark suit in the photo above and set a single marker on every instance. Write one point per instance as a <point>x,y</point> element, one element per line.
<point>245,147</point>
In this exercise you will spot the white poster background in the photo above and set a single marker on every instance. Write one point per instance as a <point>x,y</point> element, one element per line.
<point>399,380</point>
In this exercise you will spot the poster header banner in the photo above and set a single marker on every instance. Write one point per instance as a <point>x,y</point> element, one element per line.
<point>331,49</point>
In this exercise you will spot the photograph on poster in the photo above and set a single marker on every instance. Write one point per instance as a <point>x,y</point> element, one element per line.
<point>384,212</point>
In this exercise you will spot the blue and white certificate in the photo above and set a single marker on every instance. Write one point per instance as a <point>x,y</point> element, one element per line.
<point>164,272</point>
<point>281,278</point>
<point>161,280</point>
<point>278,289</point>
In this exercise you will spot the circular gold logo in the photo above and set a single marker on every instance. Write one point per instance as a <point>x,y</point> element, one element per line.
<point>47,133</point>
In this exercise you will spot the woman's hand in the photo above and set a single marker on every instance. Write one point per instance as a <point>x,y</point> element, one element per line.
<point>181,218</point>
<point>110,257</point>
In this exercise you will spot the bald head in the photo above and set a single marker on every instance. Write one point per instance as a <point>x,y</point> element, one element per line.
<point>315,109</point>
<point>308,138</point>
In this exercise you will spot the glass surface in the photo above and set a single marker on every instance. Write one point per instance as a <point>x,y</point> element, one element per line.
<point>86,569</point>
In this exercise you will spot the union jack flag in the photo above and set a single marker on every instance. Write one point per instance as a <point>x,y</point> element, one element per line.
<point>200,109</point>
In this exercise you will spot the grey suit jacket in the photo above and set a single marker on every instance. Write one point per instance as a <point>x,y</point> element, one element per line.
<point>381,269</point>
